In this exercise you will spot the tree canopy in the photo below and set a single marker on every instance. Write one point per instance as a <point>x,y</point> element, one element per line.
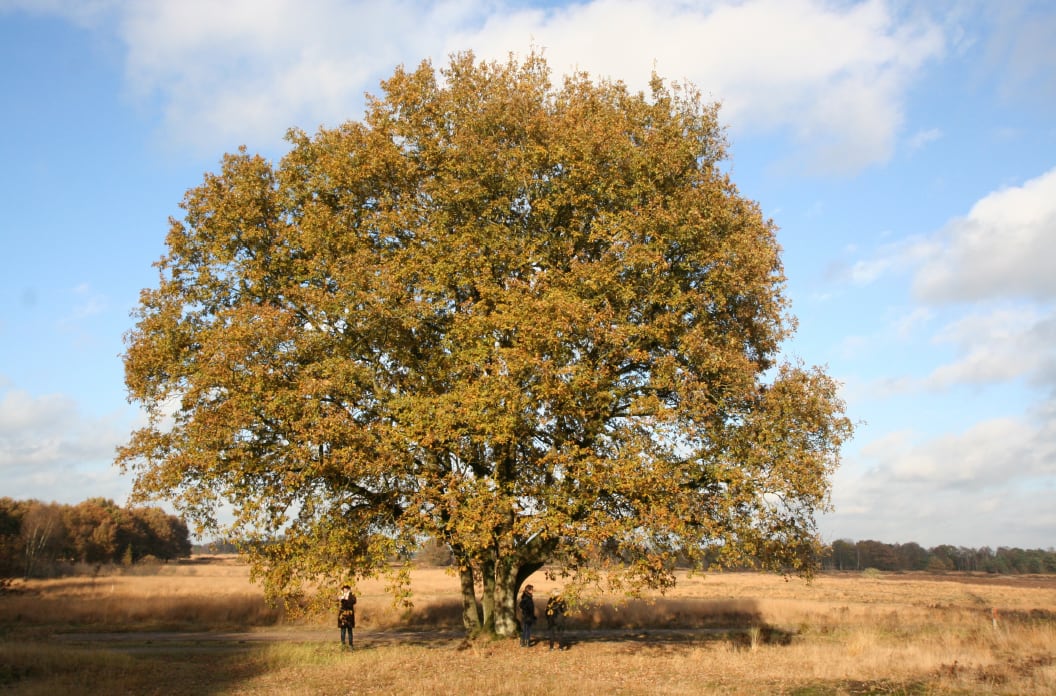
<point>527,320</point>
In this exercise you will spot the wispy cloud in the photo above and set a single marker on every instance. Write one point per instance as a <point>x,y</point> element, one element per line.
<point>898,257</point>
<point>906,325</point>
<point>88,302</point>
<point>921,138</point>
<point>1020,53</point>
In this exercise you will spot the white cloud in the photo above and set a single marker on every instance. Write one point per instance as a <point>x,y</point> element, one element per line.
<point>244,71</point>
<point>993,270</point>
<point>1004,247</point>
<point>868,271</point>
<point>992,344</point>
<point>990,453</point>
<point>986,285</point>
<point>991,274</point>
<point>1024,517</point>
<point>833,75</point>
<point>945,489</point>
<point>1000,345</point>
<point>51,450</point>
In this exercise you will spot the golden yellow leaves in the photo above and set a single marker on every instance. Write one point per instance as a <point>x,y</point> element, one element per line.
<point>519,317</point>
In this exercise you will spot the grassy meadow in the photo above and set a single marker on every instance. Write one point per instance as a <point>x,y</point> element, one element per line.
<point>200,627</point>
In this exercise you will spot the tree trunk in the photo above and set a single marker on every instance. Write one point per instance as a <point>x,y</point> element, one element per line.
<point>496,612</point>
<point>508,578</point>
<point>487,572</point>
<point>506,586</point>
<point>471,617</point>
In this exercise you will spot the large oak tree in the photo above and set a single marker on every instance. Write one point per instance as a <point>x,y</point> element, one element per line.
<point>529,321</point>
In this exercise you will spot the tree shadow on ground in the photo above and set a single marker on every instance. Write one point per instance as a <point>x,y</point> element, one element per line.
<point>211,662</point>
<point>644,622</point>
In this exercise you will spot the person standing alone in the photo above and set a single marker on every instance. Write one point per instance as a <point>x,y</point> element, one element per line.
<point>346,614</point>
<point>527,605</point>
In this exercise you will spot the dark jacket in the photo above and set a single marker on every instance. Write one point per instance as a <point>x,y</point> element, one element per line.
<point>527,608</point>
<point>346,615</point>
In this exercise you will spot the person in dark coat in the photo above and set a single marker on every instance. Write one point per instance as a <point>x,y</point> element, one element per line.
<point>527,606</point>
<point>555,620</point>
<point>346,614</point>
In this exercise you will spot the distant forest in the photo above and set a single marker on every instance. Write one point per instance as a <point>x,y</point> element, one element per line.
<point>860,555</point>
<point>46,539</point>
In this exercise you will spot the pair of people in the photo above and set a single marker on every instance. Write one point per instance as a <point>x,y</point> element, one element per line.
<point>555,618</point>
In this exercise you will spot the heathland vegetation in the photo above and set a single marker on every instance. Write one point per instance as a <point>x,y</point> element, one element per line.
<point>200,626</point>
<point>104,599</point>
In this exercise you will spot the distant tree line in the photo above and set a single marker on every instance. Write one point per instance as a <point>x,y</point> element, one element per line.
<point>39,539</point>
<point>218,546</point>
<point>855,556</point>
<point>845,554</point>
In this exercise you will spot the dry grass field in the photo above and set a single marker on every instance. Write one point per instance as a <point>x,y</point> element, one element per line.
<point>201,627</point>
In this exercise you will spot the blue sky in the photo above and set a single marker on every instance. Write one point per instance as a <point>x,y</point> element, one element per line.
<point>907,151</point>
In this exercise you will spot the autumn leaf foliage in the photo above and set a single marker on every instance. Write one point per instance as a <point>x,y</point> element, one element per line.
<point>533,322</point>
